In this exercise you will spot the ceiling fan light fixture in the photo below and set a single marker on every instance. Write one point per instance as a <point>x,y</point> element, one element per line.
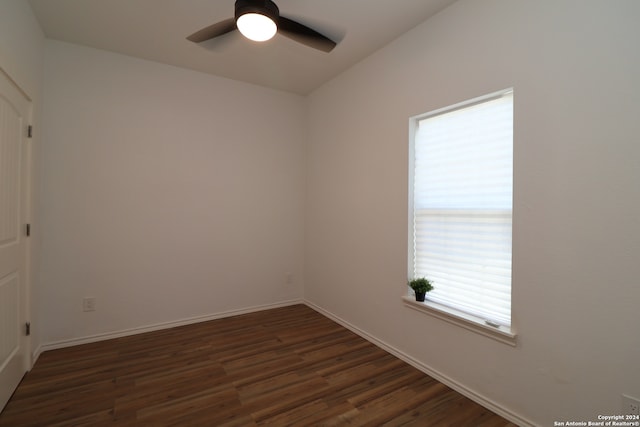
<point>256,27</point>
<point>257,19</point>
<point>260,20</point>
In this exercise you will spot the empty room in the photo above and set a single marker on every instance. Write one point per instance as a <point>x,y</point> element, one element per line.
<point>201,228</point>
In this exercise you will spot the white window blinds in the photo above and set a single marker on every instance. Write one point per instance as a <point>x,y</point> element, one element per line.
<point>462,204</point>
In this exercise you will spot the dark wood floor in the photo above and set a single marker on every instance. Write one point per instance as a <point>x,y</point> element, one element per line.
<point>287,366</point>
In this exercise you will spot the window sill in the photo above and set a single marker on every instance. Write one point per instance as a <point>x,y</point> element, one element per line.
<point>475,324</point>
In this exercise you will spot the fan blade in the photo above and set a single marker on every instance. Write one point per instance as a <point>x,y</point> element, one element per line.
<point>305,35</point>
<point>212,31</point>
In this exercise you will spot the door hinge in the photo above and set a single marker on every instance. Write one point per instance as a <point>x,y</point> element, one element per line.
<point>28,328</point>
<point>28,230</point>
<point>29,131</point>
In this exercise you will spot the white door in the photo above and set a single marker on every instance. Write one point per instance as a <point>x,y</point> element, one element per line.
<point>14,152</point>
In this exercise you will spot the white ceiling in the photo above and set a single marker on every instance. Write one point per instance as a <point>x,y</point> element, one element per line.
<point>157,29</point>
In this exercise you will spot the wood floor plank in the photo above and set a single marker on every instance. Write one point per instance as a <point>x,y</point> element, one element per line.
<point>286,367</point>
<point>384,408</point>
<point>134,397</point>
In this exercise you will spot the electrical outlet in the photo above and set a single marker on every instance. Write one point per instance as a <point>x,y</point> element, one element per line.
<point>288,278</point>
<point>630,405</point>
<point>89,304</point>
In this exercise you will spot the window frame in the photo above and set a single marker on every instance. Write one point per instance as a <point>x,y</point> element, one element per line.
<point>501,333</point>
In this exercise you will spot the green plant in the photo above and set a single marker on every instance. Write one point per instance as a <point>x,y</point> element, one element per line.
<point>420,284</point>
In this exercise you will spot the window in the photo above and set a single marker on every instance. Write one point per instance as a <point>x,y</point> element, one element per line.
<point>461,186</point>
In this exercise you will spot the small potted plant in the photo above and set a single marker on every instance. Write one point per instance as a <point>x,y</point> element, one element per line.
<point>420,285</point>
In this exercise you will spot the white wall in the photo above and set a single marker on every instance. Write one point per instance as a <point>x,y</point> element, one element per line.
<point>21,57</point>
<point>21,45</point>
<point>168,194</point>
<point>575,67</point>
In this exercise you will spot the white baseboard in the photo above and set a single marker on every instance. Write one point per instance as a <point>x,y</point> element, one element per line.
<point>444,379</point>
<point>158,326</point>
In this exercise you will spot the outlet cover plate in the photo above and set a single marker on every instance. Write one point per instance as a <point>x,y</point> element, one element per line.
<point>89,304</point>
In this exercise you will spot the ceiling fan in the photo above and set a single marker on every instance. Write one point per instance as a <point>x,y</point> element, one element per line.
<point>260,20</point>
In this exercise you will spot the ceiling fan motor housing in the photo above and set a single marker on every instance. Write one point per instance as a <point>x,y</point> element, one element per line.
<point>263,7</point>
